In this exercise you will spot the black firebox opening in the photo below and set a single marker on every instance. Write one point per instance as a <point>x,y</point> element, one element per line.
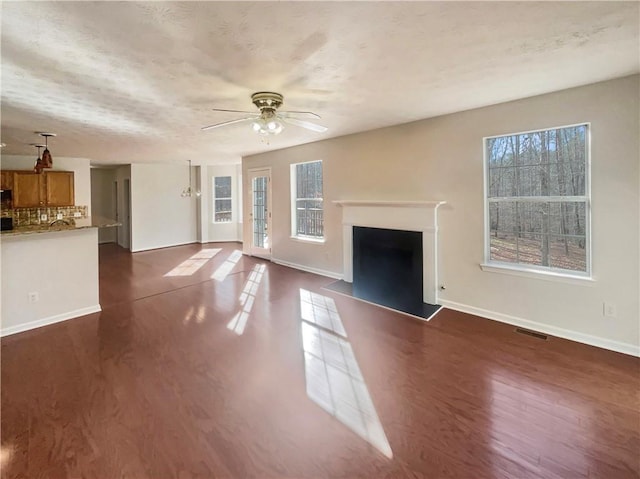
<point>387,268</point>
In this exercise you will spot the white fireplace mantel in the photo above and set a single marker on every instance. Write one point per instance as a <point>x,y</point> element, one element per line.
<point>419,216</point>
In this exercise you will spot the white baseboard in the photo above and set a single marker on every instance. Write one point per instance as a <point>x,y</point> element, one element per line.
<point>579,337</point>
<point>308,269</point>
<point>139,250</point>
<point>50,320</point>
<point>217,240</point>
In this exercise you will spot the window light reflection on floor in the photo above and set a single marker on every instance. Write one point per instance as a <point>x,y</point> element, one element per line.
<point>225,268</point>
<point>193,264</point>
<point>333,377</point>
<point>247,297</point>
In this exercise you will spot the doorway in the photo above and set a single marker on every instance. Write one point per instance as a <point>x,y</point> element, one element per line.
<point>260,215</point>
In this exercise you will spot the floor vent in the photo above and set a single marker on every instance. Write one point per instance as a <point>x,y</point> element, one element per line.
<point>532,333</point>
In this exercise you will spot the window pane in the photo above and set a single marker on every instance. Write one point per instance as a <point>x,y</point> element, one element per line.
<point>223,187</point>
<point>544,163</point>
<point>532,233</point>
<point>308,200</point>
<point>547,163</point>
<point>222,199</point>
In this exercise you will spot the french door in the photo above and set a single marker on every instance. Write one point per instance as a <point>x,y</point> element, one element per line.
<point>260,181</point>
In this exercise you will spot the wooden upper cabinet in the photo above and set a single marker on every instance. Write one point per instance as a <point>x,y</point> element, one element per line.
<point>6,180</point>
<point>51,188</point>
<point>28,188</point>
<point>59,188</point>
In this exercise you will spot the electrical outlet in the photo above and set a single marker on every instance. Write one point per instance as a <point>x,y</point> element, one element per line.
<point>43,217</point>
<point>34,297</point>
<point>609,310</point>
<point>59,216</point>
<point>77,214</point>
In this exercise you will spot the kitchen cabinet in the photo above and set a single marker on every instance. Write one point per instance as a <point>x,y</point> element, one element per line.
<point>28,189</point>
<point>6,180</point>
<point>59,188</point>
<point>52,188</point>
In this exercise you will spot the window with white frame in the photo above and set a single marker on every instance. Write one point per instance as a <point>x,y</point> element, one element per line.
<point>537,210</point>
<point>222,205</point>
<point>306,200</point>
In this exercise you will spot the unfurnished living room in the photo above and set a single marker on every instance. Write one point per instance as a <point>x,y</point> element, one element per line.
<point>320,240</point>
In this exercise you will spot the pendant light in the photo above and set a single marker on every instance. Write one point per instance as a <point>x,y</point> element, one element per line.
<point>189,191</point>
<point>47,159</point>
<point>38,166</point>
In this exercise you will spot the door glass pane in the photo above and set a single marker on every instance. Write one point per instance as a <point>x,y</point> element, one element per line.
<point>260,233</point>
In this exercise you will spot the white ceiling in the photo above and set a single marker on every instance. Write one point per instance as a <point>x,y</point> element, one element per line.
<point>123,82</point>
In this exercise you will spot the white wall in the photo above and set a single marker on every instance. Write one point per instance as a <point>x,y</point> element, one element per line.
<point>442,159</point>
<point>103,201</point>
<point>160,217</point>
<point>79,166</point>
<point>224,231</point>
<point>123,177</point>
<point>62,267</point>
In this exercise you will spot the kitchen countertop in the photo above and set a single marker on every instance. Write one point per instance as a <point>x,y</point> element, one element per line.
<point>80,223</point>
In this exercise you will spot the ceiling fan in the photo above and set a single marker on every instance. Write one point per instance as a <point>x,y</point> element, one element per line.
<point>269,121</point>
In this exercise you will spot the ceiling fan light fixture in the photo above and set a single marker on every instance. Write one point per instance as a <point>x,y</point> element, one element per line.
<point>270,126</point>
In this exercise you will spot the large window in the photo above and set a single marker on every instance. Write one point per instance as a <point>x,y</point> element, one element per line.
<point>306,196</point>
<point>222,209</point>
<point>537,200</point>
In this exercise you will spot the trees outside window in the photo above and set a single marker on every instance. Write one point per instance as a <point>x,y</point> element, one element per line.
<point>306,193</point>
<point>222,209</point>
<point>537,199</point>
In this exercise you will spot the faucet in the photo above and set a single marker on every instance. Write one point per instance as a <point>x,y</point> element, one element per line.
<point>64,222</point>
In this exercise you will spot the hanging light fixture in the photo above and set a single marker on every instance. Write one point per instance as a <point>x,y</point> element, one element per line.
<point>38,166</point>
<point>189,191</point>
<point>47,159</point>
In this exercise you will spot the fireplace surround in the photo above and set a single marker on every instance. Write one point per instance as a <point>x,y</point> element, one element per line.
<point>419,216</point>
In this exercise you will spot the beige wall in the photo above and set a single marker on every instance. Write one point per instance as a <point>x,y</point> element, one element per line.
<point>160,216</point>
<point>442,159</point>
<point>61,267</point>
<point>103,201</point>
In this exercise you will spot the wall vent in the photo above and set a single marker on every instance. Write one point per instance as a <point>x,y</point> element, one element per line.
<point>535,334</point>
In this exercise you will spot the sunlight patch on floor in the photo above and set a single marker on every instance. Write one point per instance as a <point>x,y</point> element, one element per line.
<point>6,453</point>
<point>333,377</point>
<point>246,299</point>
<point>225,268</point>
<point>194,263</point>
<point>322,311</point>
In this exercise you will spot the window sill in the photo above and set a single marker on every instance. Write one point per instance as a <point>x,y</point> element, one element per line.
<point>305,239</point>
<point>537,274</point>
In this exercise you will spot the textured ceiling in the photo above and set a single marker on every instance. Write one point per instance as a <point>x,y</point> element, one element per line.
<point>123,82</point>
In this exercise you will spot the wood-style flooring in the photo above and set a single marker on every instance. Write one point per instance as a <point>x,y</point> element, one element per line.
<point>236,367</point>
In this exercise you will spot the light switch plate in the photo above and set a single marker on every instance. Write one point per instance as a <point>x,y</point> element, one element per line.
<point>43,217</point>
<point>59,216</point>
<point>77,214</point>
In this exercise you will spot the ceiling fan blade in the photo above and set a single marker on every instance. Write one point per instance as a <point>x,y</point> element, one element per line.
<point>225,123</point>
<point>304,124</point>
<point>237,111</point>
<point>293,114</point>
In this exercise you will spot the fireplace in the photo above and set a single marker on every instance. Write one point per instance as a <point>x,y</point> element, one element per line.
<point>387,267</point>
<point>418,219</point>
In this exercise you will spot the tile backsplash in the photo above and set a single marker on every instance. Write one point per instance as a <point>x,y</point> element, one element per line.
<point>31,216</point>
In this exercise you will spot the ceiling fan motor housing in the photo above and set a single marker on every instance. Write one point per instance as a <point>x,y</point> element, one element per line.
<point>267,100</point>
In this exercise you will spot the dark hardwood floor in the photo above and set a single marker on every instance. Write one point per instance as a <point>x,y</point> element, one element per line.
<point>260,372</point>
